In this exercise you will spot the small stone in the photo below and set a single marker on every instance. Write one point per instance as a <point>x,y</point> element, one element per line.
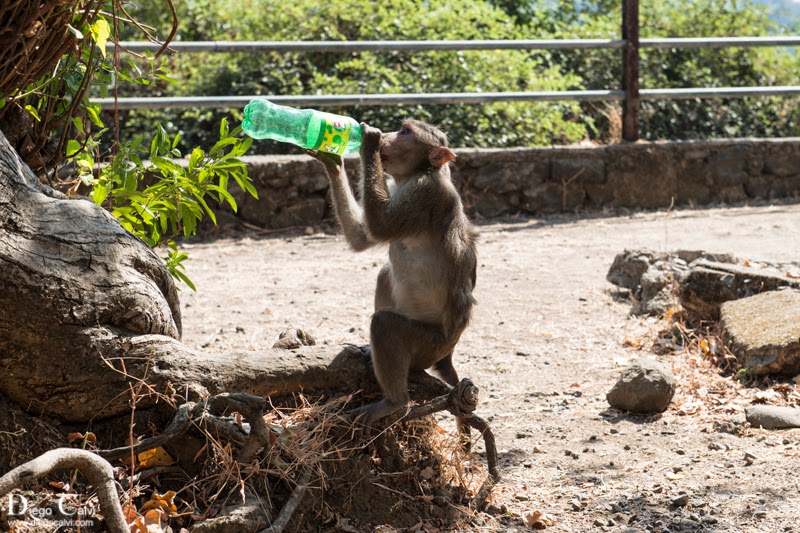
<point>527,464</point>
<point>680,451</point>
<point>537,449</point>
<point>710,520</point>
<point>718,446</point>
<point>576,505</point>
<point>760,514</point>
<point>680,501</point>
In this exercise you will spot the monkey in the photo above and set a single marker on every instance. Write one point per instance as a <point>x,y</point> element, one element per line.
<point>423,296</point>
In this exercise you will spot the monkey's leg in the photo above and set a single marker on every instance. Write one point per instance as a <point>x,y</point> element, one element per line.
<point>445,370</point>
<point>399,344</point>
<point>383,289</point>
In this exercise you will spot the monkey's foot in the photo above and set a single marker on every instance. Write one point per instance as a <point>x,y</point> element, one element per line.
<point>363,351</point>
<point>369,414</point>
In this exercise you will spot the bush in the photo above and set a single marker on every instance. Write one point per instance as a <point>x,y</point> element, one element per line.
<point>499,124</point>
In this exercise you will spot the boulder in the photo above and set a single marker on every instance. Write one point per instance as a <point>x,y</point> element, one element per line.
<point>709,284</point>
<point>763,331</point>
<point>772,416</point>
<point>646,386</point>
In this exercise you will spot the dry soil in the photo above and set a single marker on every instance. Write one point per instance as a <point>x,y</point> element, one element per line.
<point>547,342</point>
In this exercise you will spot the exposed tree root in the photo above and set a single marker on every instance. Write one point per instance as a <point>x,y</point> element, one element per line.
<point>97,470</point>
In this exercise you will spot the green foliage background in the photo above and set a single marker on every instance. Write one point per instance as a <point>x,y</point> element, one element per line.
<point>495,125</point>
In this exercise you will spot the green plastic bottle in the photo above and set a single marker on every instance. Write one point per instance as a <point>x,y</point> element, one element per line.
<point>307,128</point>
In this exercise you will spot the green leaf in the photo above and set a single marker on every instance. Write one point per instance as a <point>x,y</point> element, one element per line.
<point>196,159</point>
<point>93,111</point>
<point>32,110</point>
<point>100,31</point>
<point>73,147</point>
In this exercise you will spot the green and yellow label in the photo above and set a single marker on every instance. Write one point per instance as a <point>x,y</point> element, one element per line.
<point>334,134</point>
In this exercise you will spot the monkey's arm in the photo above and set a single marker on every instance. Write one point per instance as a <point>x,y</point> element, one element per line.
<point>389,216</point>
<point>348,212</point>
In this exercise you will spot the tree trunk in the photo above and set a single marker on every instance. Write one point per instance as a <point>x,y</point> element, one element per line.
<point>87,311</point>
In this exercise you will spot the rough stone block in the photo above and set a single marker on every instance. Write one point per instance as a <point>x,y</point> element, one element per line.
<point>584,170</point>
<point>641,176</point>
<point>708,285</point>
<point>646,386</point>
<point>763,331</point>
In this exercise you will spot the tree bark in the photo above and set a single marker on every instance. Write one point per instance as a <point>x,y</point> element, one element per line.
<point>89,313</point>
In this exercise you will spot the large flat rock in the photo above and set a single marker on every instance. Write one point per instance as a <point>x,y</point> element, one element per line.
<point>709,284</point>
<point>763,331</point>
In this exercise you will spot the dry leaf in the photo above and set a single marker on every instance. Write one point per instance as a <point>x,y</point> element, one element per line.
<point>162,502</point>
<point>427,473</point>
<point>149,523</point>
<point>793,276</point>
<point>59,485</point>
<point>89,437</point>
<point>539,520</point>
<point>155,457</point>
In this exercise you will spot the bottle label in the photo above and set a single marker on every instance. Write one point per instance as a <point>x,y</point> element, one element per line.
<point>334,134</point>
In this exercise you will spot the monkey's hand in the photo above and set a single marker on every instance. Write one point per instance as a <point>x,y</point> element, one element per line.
<point>332,162</point>
<point>370,140</point>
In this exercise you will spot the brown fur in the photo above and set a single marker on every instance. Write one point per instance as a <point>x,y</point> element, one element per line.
<point>423,299</point>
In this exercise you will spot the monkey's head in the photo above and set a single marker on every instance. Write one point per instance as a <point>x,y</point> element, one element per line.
<point>415,147</point>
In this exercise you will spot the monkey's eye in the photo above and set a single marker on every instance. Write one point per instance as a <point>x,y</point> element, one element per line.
<point>405,130</point>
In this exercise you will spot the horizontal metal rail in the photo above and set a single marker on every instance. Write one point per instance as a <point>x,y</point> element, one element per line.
<point>717,92</point>
<point>445,98</point>
<point>720,42</point>
<point>415,46</point>
<point>360,99</point>
<point>371,46</point>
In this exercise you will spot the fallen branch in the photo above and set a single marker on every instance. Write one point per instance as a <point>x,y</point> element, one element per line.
<point>291,505</point>
<point>207,413</point>
<point>462,400</point>
<point>97,470</point>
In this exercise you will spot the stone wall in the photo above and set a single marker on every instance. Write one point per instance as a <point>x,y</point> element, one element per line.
<point>293,190</point>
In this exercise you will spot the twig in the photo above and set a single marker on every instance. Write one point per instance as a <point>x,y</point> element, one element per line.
<point>97,471</point>
<point>181,420</point>
<point>462,402</point>
<point>291,505</point>
<point>205,413</point>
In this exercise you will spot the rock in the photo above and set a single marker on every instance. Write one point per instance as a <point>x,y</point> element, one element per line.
<point>773,416</point>
<point>646,386</point>
<point>658,291</point>
<point>627,269</point>
<point>681,500</point>
<point>294,338</point>
<point>710,284</point>
<point>763,331</point>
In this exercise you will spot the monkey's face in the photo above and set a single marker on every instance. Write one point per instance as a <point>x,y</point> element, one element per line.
<point>403,153</point>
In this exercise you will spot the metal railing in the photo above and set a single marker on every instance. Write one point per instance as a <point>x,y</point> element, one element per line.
<point>630,95</point>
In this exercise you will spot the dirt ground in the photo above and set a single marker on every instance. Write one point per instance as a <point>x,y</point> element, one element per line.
<point>547,342</point>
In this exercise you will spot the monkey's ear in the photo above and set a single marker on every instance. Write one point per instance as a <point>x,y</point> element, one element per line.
<point>440,156</point>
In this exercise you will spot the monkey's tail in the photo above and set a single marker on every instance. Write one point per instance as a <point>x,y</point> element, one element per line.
<point>460,311</point>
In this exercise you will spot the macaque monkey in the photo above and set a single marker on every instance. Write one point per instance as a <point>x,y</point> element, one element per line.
<point>423,298</point>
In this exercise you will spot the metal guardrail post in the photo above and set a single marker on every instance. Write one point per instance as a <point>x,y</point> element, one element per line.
<point>630,70</point>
